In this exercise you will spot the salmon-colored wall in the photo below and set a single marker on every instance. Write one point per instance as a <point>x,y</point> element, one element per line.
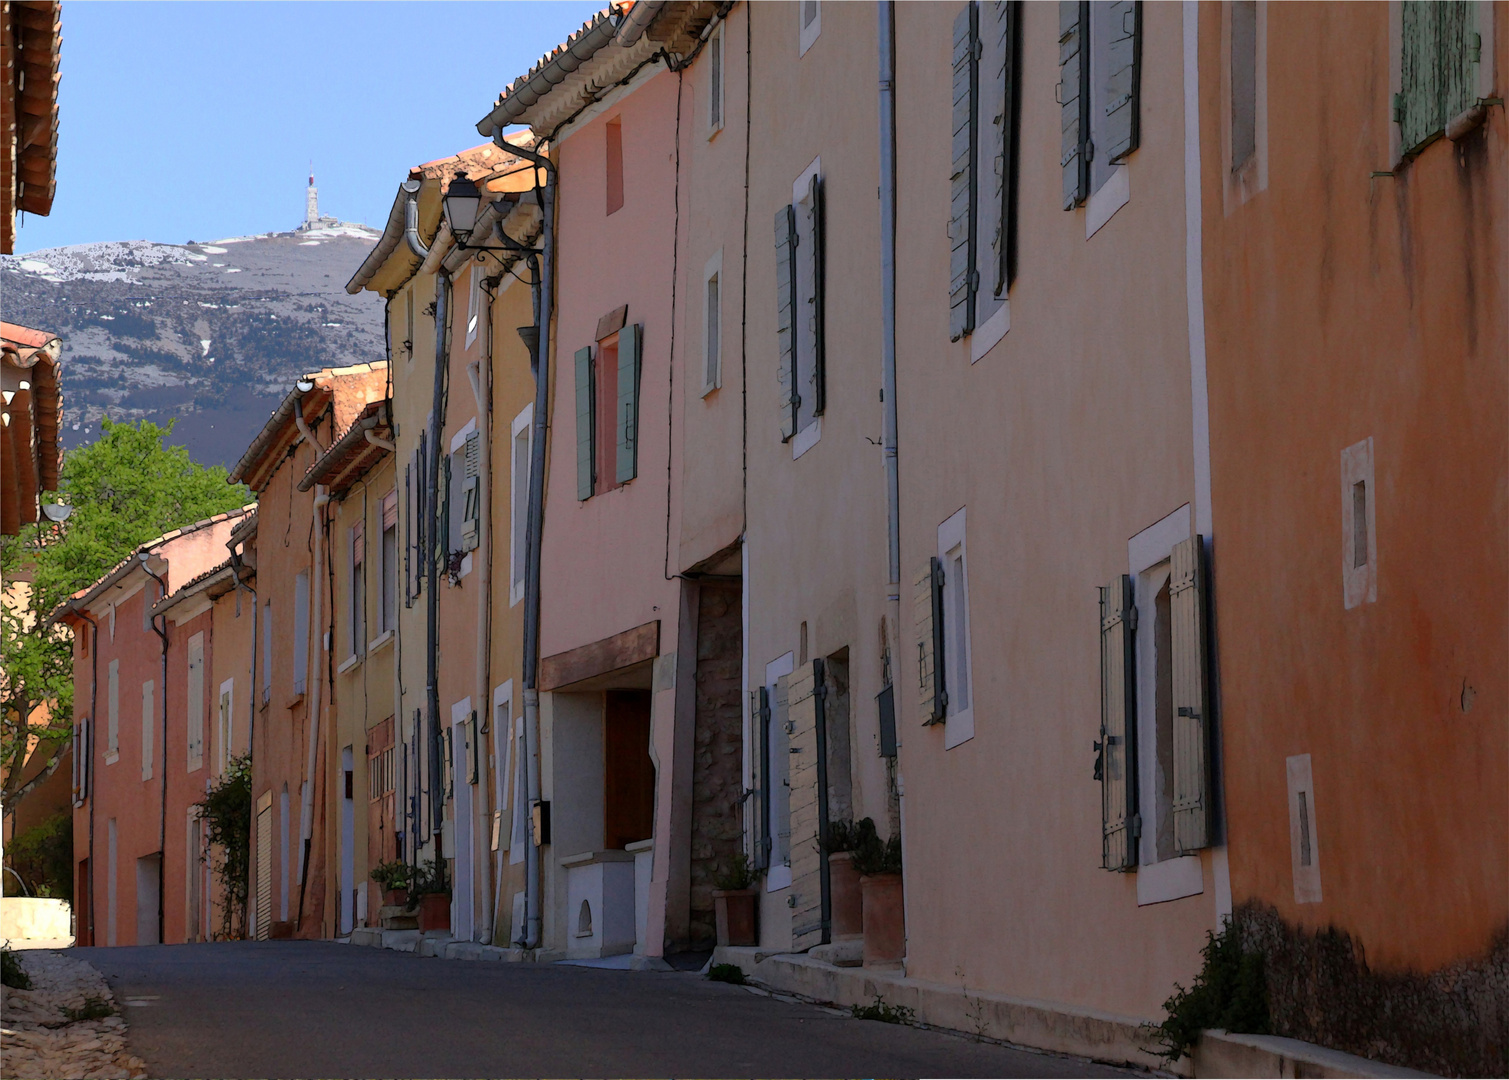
<point>1343,306</point>
<point>185,785</point>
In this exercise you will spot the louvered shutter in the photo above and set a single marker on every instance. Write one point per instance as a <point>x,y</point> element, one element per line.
<point>1124,76</point>
<point>1440,49</point>
<point>1074,96</point>
<point>760,779</point>
<point>963,185</point>
<point>927,614</point>
<point>585,428</point>
<point>424,513</point>
<point>1118,710</point>
<point>451,482</point>
<point>1191,697</point>
<point>806,796</point>
<point>818,255</point>
<point>471,492</point>
<point>629,340</point>
<point>409,472</point>
<point>1004,18</point>
<point>785,307</point>
<point>1461,49</point>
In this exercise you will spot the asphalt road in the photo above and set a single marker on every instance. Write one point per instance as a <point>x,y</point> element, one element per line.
<point>299,1009</point>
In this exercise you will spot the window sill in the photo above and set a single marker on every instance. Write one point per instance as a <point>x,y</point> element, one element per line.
<point>1115,193</point>
<point>112,757</point>
<point>960,728</point>
<point>778,878</point>
<point>807,438</point>
<point>987,337</point>
<point>1171,879</point>
<point>348,663</point>
<point>379,641</point>
<point>294,701</point>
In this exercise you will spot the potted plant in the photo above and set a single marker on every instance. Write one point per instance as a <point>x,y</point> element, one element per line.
<point>393,879</point>
<point>428,890</point>
<point>879,867</point>
<point>843,880</point>
<point>734,903</point>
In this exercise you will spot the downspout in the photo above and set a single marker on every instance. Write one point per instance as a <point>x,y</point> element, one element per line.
<point>540,348</point>
<point>94,700</point>
<point>312,713</point>
<point>887,43</point>
<point>162,826</point>
<point>481,380</point>
<point>432,575</point>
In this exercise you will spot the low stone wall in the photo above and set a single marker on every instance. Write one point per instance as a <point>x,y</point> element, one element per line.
<point>30,918</point>
<point>66,1025</point>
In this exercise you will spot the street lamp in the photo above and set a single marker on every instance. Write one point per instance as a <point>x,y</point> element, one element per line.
<point>461,201</point>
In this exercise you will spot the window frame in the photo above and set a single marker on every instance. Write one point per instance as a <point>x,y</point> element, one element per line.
<point>958,664</point>
<point>805,335</point>
<point>717,67</point>
<point>778,872</point>
<point>356,590</point>
<point>113,715</point>
<point>226,729</point>
<point>387,605</point>
<point>807,32</point>
<point>712,324</point>
<point>301,583</point>
<point>518,500</point>
<point>148,724</point>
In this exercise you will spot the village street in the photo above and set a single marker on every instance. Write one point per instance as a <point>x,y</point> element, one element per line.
<point>282,1008</point>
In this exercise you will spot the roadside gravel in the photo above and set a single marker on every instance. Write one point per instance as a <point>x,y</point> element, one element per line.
<point>41,1040</point>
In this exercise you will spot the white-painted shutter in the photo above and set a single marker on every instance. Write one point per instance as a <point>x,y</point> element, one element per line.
<point>785,308</point>
<point>963,184</point>
<point>1191,697</point>
<point>759,705</point>
<point>1074,98</point>
<point>630,340</point>
<point>1123,79</point>
<point>196,702</point>
<point>806,811</point>
<point>1117,757</point>
<point>927,615</point>
<point>586,438</point>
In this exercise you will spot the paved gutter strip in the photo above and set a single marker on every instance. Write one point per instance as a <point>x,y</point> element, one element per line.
<point>41,1041</point>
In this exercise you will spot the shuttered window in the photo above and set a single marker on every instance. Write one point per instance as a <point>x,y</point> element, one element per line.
<point>759,703</point>
<point>1116,757</point>
<point>963,187</point>
<point>113,725</point>
<point>471,491</point>
<point>389,610</point>
<point>300,631</point>
<point>196,703</point>
<point>801,323</point>
<point>626,419</point>
<point>357,597</point>
<point>786,308</point>
<point>808,806</point>
<point>1100,76</point>
<point>1441,49</point>
<point>1191,697</point>
<point>148,723</point>
<point>927,616</point>
<point>586,437</point>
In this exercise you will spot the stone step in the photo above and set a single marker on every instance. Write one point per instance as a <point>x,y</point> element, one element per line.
<point>400,922</point>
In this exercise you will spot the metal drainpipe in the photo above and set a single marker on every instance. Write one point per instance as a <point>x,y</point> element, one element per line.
<point>432,575</point>
<point>541,358</point>
<point>312,685</point>
<point>162,826</point>
<point>887,43</point>
<point>94,701</point>
<point>482,706</point>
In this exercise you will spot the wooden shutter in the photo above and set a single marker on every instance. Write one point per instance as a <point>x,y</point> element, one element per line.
<point>759,703</point>
<point>424,513</point>
<point>785,310</point>
<point>963,184</point>
<point>264,870</point>
<point>471,491</point>
<point>1191,697</point>
<point>1074,98</point>
<point>586,442</point>
<point>1438,69</point>
<point>818,256</point>
<point>629,340</point>
<point>927,614</point>
<point>806,809</point>
<point>196,702</point>
<point>1120,825</point>
<point>1124,74</point>
<point>1461,48</point>
<point>455,477</point>
<point>1005,19</point>
<point>409,472</point>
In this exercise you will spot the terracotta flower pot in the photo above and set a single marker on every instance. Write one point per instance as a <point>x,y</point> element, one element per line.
<point>435,911</point>
<point>884,921</point>
<point>395,897</point>
<point>844,892</point>
<point>734,910</point>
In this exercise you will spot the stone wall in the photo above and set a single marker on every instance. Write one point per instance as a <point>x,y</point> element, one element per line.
<point>717,764</point>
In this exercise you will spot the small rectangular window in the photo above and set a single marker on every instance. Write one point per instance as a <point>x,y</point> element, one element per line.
<point>809,24</point>
<point>473,303</point>
<point>113,728</point>
<point>712,370</point>
<point>266,651</point>
<point>615,165</point>
<point>1243,82</point>
<point>357,598</point>
<point>148,717</point>
<point>715,81</point>
<point>605,375</point>
<point>300,631</point>
<point>389,613</point>
<point>1359,524</point>
<point>959,722</point>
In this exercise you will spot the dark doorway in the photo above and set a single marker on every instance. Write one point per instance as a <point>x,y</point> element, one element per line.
<point>628,772</point>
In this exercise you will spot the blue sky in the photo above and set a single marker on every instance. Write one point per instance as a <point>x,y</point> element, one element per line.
<point>193,121</point>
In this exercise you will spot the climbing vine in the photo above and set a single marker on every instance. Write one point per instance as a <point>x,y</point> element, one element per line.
<point>226,811</point>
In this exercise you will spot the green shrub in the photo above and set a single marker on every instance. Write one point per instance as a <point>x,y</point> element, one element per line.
<point>227,811</point>
<point>886,1014</point>
<point>43,856</point>
<point>12,974</point>
<point>871,855</point>
<point>94,1008</point>
<point>391,875</point>
<point>841,836</point>
<point>729,973</point>
<point>739,874</point>
<point>1230,992</point>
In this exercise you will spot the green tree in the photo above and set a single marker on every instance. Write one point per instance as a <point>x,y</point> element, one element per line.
<point>125,489</point>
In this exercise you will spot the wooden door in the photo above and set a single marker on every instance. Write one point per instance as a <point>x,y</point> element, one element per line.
<point>628,772</point>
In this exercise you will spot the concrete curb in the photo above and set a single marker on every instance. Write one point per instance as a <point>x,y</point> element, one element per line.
<point>1222,1053</point>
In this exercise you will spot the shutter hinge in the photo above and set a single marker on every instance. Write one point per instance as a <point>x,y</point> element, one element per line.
<point>1089,150</point>
<point>1475,49</point>
<point>1185,710</point>
<point>1136,826</point>
<point>1132,618</point>
<point>1398,108</point>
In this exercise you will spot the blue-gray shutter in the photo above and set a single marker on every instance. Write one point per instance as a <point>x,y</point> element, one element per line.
<point>409,472</point>
<point>963,183</point>
<point>927,616</point>
<point>1005,19</point>
<point>628,402</point>
<point>1074,96</point>
<point>760,831</point>
<point>586,433</point>
<point>819,312</point>
<point>1120,132</point>
<point>785,308</point>
<point>1117,762</point>
<point>1191,697</point>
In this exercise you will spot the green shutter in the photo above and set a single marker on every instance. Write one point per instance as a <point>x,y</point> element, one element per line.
<point>1124,74</point>
<point>1074,94</point>
<point>785,305</point>
<point>819,314</point>
<point>585,428</point>
<point>1460,47</point>
<point>1006,16</point>
<point>1440,48</point>
<point>1191,697</point>
<point>1120,825</point>
<point>628,402</point>
<point>963,184</point>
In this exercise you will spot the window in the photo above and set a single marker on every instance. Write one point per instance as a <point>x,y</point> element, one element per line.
<point>388,613</point>
<point>147,715</point>
<point>1304,840</point>
<point>520,796</point>
<point>113,728</point>
<point>772,773</point>
<point>83,748</point>
<point>1100,51</point>
<point>225,734</point>
<point>607,412</point>
<point>1359,558</point>
<point>800,311</point>
<point>196,703</point>
<point>356,598</point>
<point>408,335</point>
<point>615,164</point>
<point>266,652</point>
<point>1243,82</point>
<point>982,212</point>
<point>809,24</point>
<point>300,631</point>
<point>712,370</point>
<point>715,82</point>
<point>521,432</point>
<point>464,493</point>
<point>1440,56</point>
<point>941,615</point>
<point>473,302</point>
